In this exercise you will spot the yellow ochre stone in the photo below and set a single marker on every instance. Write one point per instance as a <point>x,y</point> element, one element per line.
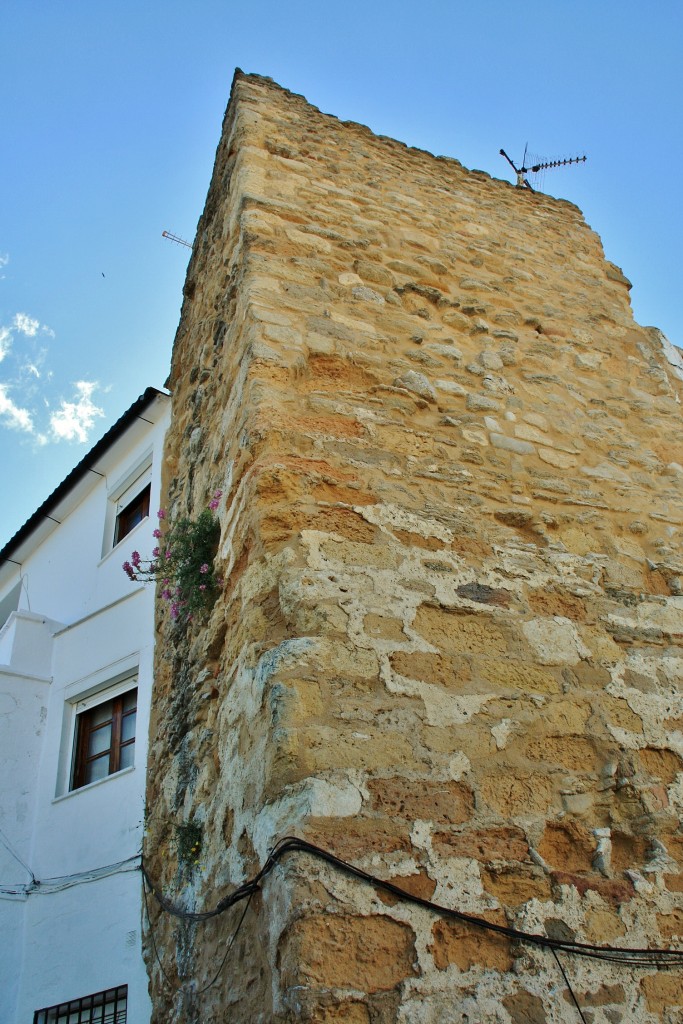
<point>449,642</point>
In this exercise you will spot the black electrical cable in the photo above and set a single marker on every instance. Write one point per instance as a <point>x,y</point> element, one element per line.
<point>230,945</point>
<point>571,990</point>
<point>633,957</point>
<point>151,929</point>
<point>47,886</point>
<point>183,988</point>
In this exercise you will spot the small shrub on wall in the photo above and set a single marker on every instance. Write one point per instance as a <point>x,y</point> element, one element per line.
<point>182,563</point>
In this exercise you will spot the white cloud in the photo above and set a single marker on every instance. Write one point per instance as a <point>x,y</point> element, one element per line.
<point>13,415</point>
<point>5,342</point>
<point>73,420</point>
<point>26,324</point>
<point>32,366</point>
<point>27,385</point>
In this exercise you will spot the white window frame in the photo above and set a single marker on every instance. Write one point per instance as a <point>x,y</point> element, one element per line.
<point>84,695</point>
<point>124,490</point>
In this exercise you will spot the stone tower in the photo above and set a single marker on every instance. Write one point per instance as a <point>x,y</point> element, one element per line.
<point>448,647</point>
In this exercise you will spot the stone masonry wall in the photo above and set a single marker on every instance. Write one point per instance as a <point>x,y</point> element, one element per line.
<point>449,644</point>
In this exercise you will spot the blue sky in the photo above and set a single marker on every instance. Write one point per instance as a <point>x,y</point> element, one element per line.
<point>111,115</point>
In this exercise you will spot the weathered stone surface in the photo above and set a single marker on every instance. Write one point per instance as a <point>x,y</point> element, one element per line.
<point>515,885</point>
<point>511,444</point>
<point>671,925</point>
<point>355,838</point>
<point>346,1012</point>
<point>339,951</point>
<point>447,802</point>
<point>661,764</point>
<point>485,845</point>
<point>465,946</point>
<point>662,992</point>
<point>456,634</point>
<point>520,676</point>
<point>418,884</point>
<point>517,794</point>
<point>567,846</point>
<point>525,1008</point>
<point>432,668</point>
<point>448,648</point>
<point>555,640</point>
<point>417,383</point>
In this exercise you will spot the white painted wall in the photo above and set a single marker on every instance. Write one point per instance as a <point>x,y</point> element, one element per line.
<point>80,625</point>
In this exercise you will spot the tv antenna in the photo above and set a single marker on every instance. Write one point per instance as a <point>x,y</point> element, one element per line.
<point>536,168</point>
<point>174,238</point>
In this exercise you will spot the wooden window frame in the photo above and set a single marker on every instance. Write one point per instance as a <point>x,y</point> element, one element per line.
<point>84,730</point>
<point>132,514</point>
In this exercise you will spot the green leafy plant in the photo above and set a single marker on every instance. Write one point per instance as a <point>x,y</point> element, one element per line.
<point>188,843</point>
<point>182,562</point>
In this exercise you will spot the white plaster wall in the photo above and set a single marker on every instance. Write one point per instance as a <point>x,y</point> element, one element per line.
<point>88,937</point>
<point>23,719</point>
<point>76,570</point>
<point>59,578</point>
<point>83,940</point>
<point>12,916</point>
<point>23,715</point>
<point>101,823</point>
<point>26,644</point>
<point>80,625</point>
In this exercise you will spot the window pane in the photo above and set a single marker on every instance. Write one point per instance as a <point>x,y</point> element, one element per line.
<point>130,701</point>
<point>133,513</point>
<point>104,734</point>
<point>99,740</point>
<point>128,727</point>
<point>102,713</point>
<point>127,756</point>
<point>97,769</point>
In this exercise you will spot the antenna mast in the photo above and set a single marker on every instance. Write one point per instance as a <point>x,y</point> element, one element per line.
<point>174,238</point>
<point>536,168</point>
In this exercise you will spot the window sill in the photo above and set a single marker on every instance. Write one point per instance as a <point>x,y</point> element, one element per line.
<point>124,540</point>
<point>93,785</point>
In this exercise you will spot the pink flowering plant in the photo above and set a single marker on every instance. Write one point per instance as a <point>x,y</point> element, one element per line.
<point>182,562</point>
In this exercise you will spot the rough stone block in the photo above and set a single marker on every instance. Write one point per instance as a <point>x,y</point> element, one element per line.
<point>567,846</point>
<point>457,634</point>
<point>467,946</point>
<point>453,672</point>
<point>515,885</point>
<point>340,951</point>
<point>516,793</point>
<point>511,444</point>
<point>662,991</point>
<point>525,1008</point>
<point>447,803</point>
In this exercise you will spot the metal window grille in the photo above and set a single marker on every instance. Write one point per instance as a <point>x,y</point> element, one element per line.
<point>109,1007</point>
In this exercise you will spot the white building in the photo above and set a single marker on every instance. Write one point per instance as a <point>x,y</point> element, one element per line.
<point>76,656</point>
